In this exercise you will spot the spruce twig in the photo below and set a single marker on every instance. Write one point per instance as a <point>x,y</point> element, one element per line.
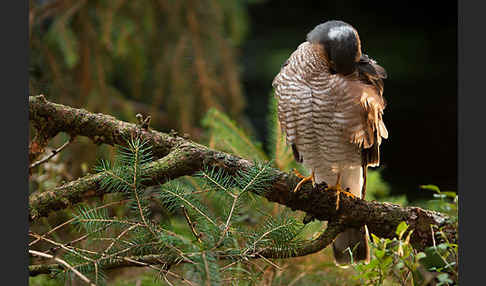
<point>53,153</point>
<point>71,249</point>
<point>79,274</point>
<point>73,219</point>
<point>206,268</point>
<point>191,224</point>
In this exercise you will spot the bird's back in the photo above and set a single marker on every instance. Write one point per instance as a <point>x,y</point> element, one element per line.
<point>316,111</point>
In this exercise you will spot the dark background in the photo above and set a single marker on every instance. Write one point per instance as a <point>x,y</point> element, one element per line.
<point>416,42</point>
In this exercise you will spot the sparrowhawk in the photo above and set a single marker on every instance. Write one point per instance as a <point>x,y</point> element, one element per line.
<point>330,106</point>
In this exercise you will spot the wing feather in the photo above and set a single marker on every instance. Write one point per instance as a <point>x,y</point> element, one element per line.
<point>371,129</point>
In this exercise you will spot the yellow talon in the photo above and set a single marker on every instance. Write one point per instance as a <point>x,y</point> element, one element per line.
<point>298,174</point>
<point>338,189</point>
<point>304,179</point>
<point>349,194</point>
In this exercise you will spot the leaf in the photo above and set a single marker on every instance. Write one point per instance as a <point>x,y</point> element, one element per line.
<point>379,253</point>
<point>376,239</point>
<point>442,246</point>
<point>421,255</point>
<point>440,196</point>
<point>401,228</point>
<point>433,188</point>
<point>443,279</point>
<point>450,194</point>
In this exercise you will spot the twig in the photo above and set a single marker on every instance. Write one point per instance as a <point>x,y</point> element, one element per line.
<point>143,122</point>
<point>229,265</point>
<point>118,237</point>
<point>192,206</point>
<point>191,224</point>
<point>235,200</point>
<point>263,236</point>
<point>53,153</point>
<point>45,255</point>
<point>297,278</point>
<point>135,191</point>
<point>206,267</point>
<point>73,219</point>
<point>158,269</point>
<point>81,238</point>
<point>71,249</point>
<point>167,280</point>
<point>270,262</point>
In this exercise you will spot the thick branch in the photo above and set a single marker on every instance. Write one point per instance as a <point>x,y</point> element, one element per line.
<point>52,118</point>
<point>184,157</point>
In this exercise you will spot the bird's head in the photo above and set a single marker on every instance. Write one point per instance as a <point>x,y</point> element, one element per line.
<point>341,43</point>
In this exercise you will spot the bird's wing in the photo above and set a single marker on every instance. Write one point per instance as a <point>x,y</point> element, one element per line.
<point>369,129</point>
<point>294,106</point>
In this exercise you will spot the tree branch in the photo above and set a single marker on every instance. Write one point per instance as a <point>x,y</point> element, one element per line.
<point>313,246</point>
<point>53,153</point>
<point>179,157</point>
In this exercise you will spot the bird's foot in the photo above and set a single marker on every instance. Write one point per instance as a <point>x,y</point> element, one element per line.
<point>304,179</point>
<point>338,189</point>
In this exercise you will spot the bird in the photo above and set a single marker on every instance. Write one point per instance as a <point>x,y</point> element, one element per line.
<point>330,108</point>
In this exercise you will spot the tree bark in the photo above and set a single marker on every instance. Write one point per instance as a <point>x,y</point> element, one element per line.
<point>177,156</point>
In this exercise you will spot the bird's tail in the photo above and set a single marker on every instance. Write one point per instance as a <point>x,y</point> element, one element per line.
<point>351,246</point>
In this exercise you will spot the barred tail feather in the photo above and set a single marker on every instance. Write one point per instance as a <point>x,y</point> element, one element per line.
<point>353,240</point>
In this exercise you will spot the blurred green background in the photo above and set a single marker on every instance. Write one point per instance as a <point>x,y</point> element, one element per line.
<point>175,59</point>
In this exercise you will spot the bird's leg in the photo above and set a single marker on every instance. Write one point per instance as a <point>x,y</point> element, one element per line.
<point>338,189</point>
<point>304,179</point>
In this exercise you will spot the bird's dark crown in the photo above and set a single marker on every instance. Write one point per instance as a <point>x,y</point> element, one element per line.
<point>341,42</point>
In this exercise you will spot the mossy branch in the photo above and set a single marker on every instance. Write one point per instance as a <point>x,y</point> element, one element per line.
<point>177,156</point>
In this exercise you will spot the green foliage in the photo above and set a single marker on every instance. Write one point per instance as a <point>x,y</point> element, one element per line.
<point>395,261</point>
<point>176,59</point>
<point>279,151</point>
<point>171,59</point>
<point>280,233</point>
<point>44,280</point>
<point>212,230</point>
<point>226,136</point>
<point>443,201</point>
<point>146,279</point>
<point>255,179</point>
<point>379,190</point>
<point>93,220</point>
